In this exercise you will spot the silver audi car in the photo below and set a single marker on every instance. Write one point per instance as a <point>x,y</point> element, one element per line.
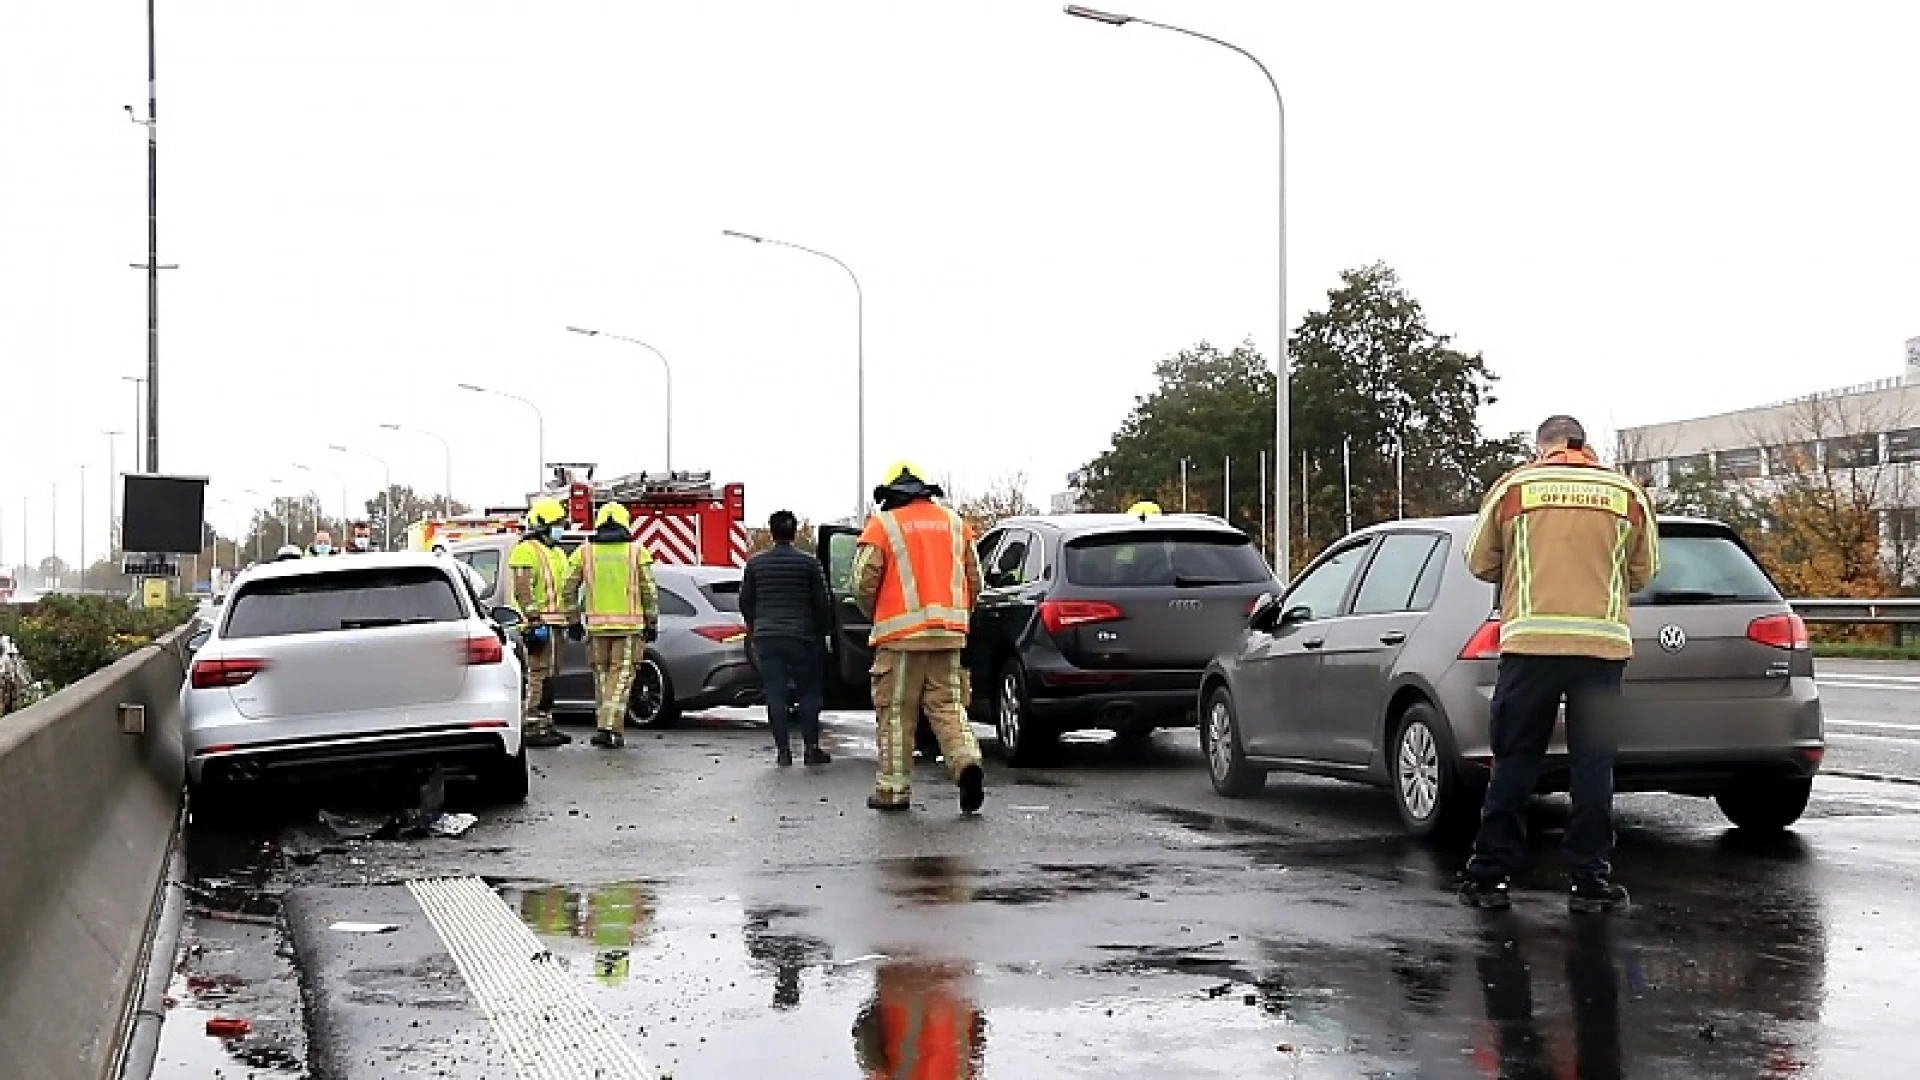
<point>320,666</point>
<point>1377,665</point>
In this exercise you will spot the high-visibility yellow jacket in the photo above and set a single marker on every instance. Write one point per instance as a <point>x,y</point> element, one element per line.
<point>610,579</point>
<point>1567,540</point>
<point>538,570</point>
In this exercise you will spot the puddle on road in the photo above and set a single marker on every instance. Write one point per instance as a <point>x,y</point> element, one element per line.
<point>718,985</point>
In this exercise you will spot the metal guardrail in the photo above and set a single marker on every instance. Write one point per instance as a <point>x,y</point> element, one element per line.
<point>1895,611</point>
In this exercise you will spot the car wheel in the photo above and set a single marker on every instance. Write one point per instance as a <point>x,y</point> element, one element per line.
<point>505,781</point>
<point>1431,798</point>
<point>1764,805</point>
<point>1023,740</point>
<point>650,703</point>
<point>1227,763</point>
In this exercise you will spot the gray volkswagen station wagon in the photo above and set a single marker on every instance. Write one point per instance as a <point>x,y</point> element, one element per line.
<point>1377,665</point>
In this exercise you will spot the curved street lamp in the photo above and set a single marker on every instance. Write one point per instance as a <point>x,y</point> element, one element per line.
<point>386,526</point>
<point>539,419</point>
<point>860,321</point>
<point>1282,549</point>
<point>663,363</point>
<point>446,448</point>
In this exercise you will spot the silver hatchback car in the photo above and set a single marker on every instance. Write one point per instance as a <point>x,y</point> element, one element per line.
<point>1377,664</point>
<point>316,666</point>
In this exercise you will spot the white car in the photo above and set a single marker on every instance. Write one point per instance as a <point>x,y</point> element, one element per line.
<point>328,665</point>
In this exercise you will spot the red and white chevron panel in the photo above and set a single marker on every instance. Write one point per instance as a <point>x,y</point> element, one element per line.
<point>740,544</point>
<point>672,540</point>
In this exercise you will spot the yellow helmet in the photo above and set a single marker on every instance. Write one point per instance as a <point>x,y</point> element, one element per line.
<point>615,513</point>
<point>1144,510</point>
<point>545,511</point>
<point>900,470</point>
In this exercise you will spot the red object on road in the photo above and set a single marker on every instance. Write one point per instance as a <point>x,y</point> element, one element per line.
<point>227,1027</point>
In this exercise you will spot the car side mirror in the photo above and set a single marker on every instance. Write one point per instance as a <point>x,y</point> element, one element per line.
<point>198,639</point>
<point>1299,613</point>
<point>505,616</point>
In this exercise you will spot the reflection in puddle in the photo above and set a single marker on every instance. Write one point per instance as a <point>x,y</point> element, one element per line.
<point>612,918</point>
<point>922,1021</point>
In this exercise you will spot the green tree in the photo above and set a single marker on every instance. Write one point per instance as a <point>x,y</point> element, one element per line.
<point>409,506</point>
<point>1369,376</point>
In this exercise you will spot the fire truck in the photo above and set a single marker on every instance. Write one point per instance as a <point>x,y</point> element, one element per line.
<point>684,518</point>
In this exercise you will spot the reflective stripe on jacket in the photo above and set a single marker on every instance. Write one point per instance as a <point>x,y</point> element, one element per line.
<point>616,577</point>
<point>547,568</point>
<point>1567,540</point>
<point>927,577</point>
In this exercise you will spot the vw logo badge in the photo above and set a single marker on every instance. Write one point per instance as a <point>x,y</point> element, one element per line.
<point>1672,638</point>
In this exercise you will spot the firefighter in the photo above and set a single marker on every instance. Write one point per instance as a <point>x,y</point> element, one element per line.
<point>921,1024</point>
<point>915,574</point>
<point>538,567</point>
<point>610,579</point>
<point>1144,510</point>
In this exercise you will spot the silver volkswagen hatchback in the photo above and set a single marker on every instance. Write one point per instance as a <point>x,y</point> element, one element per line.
<point>1377,665</point>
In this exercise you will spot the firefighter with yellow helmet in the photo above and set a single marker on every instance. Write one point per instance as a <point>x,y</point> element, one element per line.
<point>1144,510</point>
<point>916,574</point>
<point>610,587</point>
<point>538,568</point>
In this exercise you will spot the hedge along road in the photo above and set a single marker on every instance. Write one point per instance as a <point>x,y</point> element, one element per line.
<point>62,638</point>
<point>718,917</point>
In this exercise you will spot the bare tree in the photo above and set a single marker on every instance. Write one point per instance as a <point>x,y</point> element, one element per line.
<point>1004,496</point>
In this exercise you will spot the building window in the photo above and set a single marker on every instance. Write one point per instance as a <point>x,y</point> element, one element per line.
<point>1903,446</point>
<point>1853,452</point>
<point>1792,458</point>
<point>1739,464</point>
<point>1641,471</point>
<point>1682,467</point>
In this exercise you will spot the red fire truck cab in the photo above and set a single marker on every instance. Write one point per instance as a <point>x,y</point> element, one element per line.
<point>683,517</point>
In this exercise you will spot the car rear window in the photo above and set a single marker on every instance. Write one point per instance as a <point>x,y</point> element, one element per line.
<point>1700,567</point>
<point>343,600</point>
<point>723,595</point>
<point>1147,559</point>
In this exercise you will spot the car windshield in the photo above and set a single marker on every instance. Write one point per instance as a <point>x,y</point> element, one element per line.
<point>1186,559</point>
<point>343,600</point>
<point>1705,568</point>
<point>723,595</point>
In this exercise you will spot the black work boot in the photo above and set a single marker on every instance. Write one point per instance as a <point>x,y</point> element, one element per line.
<point>542,735</point>
<point>1596,896</point>
<point>1491,894</point>
<point>603,738</point>
<point>973,789</point>
<point>783,758</point>
<point>876,802</point>
<point>817,756</point>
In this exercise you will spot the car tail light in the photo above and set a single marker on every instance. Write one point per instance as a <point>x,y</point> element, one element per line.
<point>724,633</point>
<point>1779,632</point>
<point>1485,642</point>
<point>214,674</point>
<point>1058,615</point>
<point>484,649</point>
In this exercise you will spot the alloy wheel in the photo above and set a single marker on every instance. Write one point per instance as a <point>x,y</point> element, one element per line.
<point>1008,720</point>
<point>1220,739</point>
<point>648,691</point>
<point>1417,770</point>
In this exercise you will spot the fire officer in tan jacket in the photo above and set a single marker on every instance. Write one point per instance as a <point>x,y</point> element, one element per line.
<point>1567,541</point>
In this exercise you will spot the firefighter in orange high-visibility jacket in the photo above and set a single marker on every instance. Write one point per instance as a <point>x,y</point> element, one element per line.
<point>611,588</point>
<point>916,574</point>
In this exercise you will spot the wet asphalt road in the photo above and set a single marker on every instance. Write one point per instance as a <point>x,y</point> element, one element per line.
<point>1109,917</point>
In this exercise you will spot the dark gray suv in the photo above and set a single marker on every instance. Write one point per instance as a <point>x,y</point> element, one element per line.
<point>1088,621</point>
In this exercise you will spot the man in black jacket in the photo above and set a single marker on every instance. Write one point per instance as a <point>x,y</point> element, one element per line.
<point>789,615</point>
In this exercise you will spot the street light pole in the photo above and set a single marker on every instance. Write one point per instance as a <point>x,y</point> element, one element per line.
<point>113,475</point>
<point>446,501</point>
<point>540,422</point>
<point>344,509</point>
<point>386,528</point>
<point>83,528</point>
<point>286,522</point>
<point>139,404</point>
<point>664,364</point>
<point>259,531</point>
<point>860,329</point>
<point>1281,547</point>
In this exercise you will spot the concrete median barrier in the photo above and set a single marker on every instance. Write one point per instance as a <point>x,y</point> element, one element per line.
<point>88,821</point>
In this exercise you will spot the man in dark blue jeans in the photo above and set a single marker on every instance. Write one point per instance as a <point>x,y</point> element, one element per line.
<point>789,617</point>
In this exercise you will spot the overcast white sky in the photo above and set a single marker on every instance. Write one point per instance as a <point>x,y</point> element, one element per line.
<point>1639,211</point>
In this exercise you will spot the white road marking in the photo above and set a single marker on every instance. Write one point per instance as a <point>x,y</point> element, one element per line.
<point>538,1012</point>
<point>1871,725</point>
<point>1853,736</point>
